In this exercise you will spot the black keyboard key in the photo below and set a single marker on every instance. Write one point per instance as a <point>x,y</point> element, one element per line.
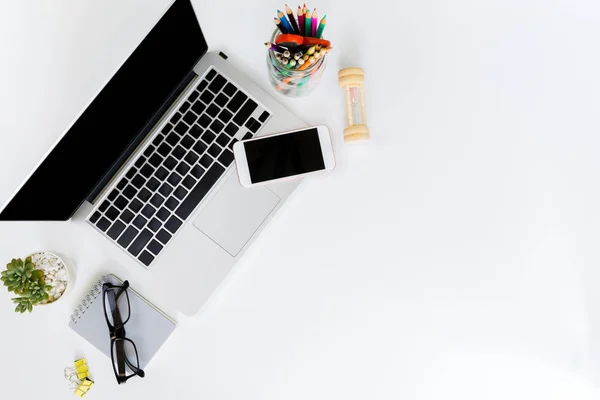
<point>167,128</point>
<point>164,149</point>
<point>193,96</point>
<point>214,150</point>
<point>231,129</point>
<point>147,170</point>
<point>135,205</point>
<point>189,118</point>
<point>146,258</point>
<point>204,121</point>
<point>182,128</point>
<point>126,216</point>
<point>148,211</point>
<point>187,142</point>
<point>173,138</point>
<point>236,102</point>
<point>139,222</point>
<point>200,190</point>
<point>263,117</point>
<point>229,89</point>
<point>163,214</point>
<point>246,110</point>
<point>122,183</point>
<point>155,160</point>
<point>217,84</point>
<point>182,168</point>
<point>170,163</point>
<point>113,195</point>
<point>217,126</point>
<point>207,97</point>
<point>157,199</point>
<point>129,192</point>
<point>178,152</point>
<point>112,213</point>
<point>199,147</point>
<point>253,125</point>
<point>202,85</point>
<point>230,145</point>
<point>131,173</point>
<point>211,74</point>
<point>152,184</point>
<point>154,224</point>
<point>225,116</point>
<point>196,131</point>
<point>180,193</point>
<point>197,171</point>
<point>103,224</point>
<point>163,236</point>
<point>140,242</point>
<point>221,100</point>
<point>198,108</point>
<point>247,136</point>
<point>158,139</point>
<point>184,107</point>
<point>149,150</point>
<point>173,224</point>
<point>115,230</point>
<point>175,119</point>
<point>155,247</point>
<point>226,158</point>
<point>140,161</point>
<point>161,173</point>
<point>223,139</point>
<point>104,206</point>
<point>121,202</point>
<point>188,182</point>
<point>94,217</point>
<point>174,179</point>
<point>213,110</point>
<point>127,236</point>
<point>206,160</point>
<point>144,195</point>
<point>191,157</point>
<point>165,189</point>
<point>172,203</point>
<point>208,137</point>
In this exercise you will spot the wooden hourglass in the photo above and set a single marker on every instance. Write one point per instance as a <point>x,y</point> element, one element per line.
<point>353,79</point>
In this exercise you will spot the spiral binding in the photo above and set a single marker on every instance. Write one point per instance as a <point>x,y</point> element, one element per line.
<point>88,300</point>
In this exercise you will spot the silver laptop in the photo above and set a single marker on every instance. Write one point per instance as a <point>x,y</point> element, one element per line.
<point>153,153</point>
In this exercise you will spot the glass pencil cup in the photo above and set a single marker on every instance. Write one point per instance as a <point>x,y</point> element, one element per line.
<point>293,82</point>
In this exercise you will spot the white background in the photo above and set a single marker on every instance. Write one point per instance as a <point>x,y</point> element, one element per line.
<point>453,256</point>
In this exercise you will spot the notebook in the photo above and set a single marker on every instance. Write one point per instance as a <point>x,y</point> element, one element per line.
<point>148,327</point>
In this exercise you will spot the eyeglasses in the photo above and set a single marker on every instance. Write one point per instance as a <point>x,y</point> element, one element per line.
<point>123,352</point>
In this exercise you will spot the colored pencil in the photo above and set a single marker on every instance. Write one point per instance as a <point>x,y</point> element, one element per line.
<point>285,22</point>
<point>301,20</point>
<point>290,15</point>
<point>280,25</point>
<point>307,23</point>
<point>315,21</point>
<point>275,47</point>
<point>321,27</point>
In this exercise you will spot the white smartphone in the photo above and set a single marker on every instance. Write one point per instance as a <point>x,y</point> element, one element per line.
<point>285,155</point>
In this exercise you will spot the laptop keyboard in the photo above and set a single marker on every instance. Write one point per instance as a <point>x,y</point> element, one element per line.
<point>186,158</point>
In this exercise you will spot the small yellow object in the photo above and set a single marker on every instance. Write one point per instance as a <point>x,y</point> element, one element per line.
<point>80,362</point>
<point>311,50</point>
<point>79,377</point>
<point>353,80</point>
<point>83,387</point>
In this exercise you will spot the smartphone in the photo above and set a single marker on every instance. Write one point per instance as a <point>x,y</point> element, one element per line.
<point>284,155</point>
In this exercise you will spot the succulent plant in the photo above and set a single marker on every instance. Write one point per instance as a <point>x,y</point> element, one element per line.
<point>21,278</point>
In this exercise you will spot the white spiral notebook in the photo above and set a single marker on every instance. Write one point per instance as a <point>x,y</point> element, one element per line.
<point>148,327</point>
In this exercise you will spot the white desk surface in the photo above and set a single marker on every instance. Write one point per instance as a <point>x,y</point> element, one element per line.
<point>454,256</point>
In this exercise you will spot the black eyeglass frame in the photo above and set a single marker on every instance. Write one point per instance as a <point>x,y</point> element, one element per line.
<point>117,332</point>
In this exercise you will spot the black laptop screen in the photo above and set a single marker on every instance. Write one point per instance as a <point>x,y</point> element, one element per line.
<point>113,123</point>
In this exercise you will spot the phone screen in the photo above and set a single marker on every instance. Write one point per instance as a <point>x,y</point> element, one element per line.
<point>284,155</point>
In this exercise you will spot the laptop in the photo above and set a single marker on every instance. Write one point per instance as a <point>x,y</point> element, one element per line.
<point>152,154</point>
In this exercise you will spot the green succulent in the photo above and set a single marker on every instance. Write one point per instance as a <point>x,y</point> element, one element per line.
<point>21,278</point>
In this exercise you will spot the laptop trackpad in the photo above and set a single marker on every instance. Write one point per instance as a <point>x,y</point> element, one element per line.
<point>233,215</point>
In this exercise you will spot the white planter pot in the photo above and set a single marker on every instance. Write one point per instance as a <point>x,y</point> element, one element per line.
<point>56,272</point>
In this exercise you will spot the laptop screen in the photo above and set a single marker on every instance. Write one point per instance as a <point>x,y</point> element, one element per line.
<point>110,128</point>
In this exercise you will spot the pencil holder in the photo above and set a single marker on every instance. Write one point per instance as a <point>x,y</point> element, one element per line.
<point>294,82</point>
